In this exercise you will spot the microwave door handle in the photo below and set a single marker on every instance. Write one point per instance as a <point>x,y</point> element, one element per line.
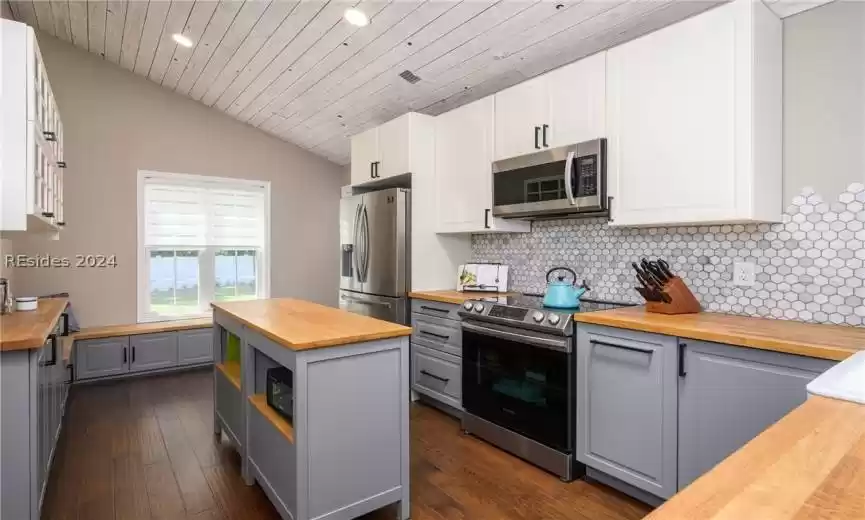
<point>569,166</point>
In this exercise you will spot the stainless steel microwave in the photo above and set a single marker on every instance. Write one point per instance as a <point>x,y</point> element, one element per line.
<point>568,181</point>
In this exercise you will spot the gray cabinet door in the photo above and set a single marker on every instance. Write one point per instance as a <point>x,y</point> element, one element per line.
<point>101,357</point>
<point>728,395</point>
<point>194,346</point>
<point>152,351</point>
<point>627,406</point>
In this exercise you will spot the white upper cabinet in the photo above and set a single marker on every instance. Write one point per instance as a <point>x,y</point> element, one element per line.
<point>520,113</point>
<point>577,94</point>
<point>31,138</point>
<point>364,154</point>
<point>394,148</point>
<point>694,120</point>
<point>463,180</point>
<point>562,107</point>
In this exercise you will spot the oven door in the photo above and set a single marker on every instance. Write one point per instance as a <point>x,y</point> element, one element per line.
<point>558,181</point>
<point>520,380</point>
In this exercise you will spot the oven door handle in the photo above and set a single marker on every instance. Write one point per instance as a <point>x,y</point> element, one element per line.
<point>560,345</point>
<point>569,189</point>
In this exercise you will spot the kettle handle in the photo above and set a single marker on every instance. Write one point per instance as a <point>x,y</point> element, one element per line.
<point>568,269</point>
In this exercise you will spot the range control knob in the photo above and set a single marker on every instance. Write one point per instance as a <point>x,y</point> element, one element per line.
<point>538,316</point>
<point>479,307</point>
<point>468,306</point>
<point>553,319</point>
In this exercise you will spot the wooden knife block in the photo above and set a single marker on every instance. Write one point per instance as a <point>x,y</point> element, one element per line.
<point>682,300</point>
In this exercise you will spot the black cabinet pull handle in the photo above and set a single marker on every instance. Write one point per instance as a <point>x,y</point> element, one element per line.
<point>71,373</point>
<point>486,219</point>
<point>124,355</point>
<point>376,169</point>
<point>424,307</point>
<point>61,164</point>
<point>372,170</point>
<point>625,347</point>
<point>65,321</point>
<point>53,361</point>
<point>433,334</point>
<point>546,127</point>
<point>47,214</point>
<point>440,378</point>
<point>537,130</point>
<point>50,136</point>
<point>682,347</point>
<point>133,354</point>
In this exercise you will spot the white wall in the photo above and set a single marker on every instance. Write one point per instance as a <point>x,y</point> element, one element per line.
<point>824,99</point>
<point>117,123</point>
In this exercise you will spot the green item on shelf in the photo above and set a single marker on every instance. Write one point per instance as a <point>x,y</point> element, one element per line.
<point>232,352</point>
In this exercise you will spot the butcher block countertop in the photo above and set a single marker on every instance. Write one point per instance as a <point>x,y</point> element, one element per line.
<point>833,342</point>
<point>302,325</point>
<point>110,331</point>
<point>808,465</point>
<point>455,297</point>
<point>26,330</point>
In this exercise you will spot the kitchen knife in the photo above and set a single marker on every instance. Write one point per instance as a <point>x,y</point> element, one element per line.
<point>650,275</point>
<point>647,280</point>
<point>665,267</point>
<point>653,269</point>
<point>647,294</point>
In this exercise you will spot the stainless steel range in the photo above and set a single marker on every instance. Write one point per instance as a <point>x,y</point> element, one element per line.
<point>518,378</point>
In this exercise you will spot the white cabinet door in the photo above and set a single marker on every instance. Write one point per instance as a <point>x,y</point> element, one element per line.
<point>364,152</point>
<point>521,112</point>
<point>672,123</point>
<point>394,147</point>
<point>577,97</point>
<point>464,149</point>
<point>693,120</point>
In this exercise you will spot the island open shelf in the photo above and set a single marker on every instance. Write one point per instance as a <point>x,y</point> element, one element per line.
<point>343,450</point>
<point>227,386</point>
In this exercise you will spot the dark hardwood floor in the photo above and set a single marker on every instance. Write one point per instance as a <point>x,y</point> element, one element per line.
<point>144,448</point>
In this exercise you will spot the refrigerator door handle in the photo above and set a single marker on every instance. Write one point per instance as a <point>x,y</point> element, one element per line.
<point>355,254</point>
<point>366,244</point>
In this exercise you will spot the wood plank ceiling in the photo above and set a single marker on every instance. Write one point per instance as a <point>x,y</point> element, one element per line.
<point>298,71</point>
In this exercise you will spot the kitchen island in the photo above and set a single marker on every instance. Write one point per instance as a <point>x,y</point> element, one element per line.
<point>343,450</point>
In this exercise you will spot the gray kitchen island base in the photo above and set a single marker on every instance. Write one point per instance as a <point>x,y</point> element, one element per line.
<point>345,451</point>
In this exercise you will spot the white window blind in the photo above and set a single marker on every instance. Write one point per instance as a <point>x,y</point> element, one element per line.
<point>203,215</point>
<point>201,240</point>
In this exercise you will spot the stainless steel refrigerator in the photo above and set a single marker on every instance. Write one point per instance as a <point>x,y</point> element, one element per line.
<point>375,274</point>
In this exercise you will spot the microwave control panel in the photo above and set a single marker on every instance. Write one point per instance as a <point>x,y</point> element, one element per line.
<point>587,176</point>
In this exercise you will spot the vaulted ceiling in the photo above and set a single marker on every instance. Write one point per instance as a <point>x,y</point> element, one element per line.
<point>299,71</point>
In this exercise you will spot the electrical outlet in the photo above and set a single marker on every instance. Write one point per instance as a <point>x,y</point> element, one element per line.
<point>744,274</point>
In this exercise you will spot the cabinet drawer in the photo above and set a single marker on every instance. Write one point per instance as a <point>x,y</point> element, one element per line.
<point>447,348</point>
<point>437,375</point>
<point>437,332</point>
<point>437,309</point>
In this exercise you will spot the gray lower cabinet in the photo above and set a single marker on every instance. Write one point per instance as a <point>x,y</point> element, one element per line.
<point>627,405</point>
<point>728,395</point>
<point>152,351</point>
<point>437,375</point>
<point>444,334</point>
<point>101,357</point>
<point>194,346</point>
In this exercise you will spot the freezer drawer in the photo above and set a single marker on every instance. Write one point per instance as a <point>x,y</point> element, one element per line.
<point>380,307</point>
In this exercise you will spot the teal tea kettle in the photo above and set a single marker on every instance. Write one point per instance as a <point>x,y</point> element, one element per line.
<point>562,294</point>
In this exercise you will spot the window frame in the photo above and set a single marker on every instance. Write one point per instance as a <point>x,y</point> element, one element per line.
<point>207,254</point>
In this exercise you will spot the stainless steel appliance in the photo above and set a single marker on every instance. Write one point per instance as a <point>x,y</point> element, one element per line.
<point>280,390</point>
<point>375,270</point>
<point>565,181</point>
<point>518,379</point>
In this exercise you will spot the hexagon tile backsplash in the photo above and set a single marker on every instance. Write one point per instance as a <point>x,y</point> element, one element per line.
<point>810,268</point>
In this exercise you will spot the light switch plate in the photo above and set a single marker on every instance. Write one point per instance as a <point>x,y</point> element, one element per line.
<point>744,274</point>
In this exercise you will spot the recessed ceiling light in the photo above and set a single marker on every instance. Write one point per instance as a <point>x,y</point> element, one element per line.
<point>356,17</point>
<point>182,40</point>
